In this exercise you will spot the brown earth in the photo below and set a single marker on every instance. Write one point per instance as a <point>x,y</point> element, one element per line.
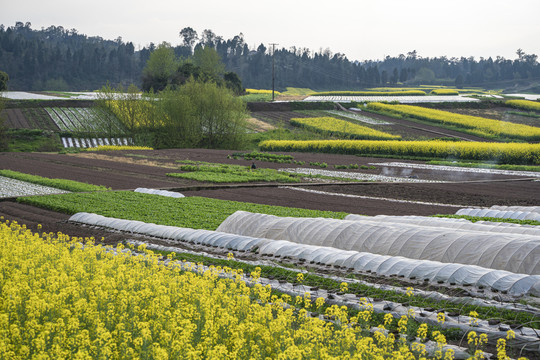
<point>15,119</point>
<point>132,169</point>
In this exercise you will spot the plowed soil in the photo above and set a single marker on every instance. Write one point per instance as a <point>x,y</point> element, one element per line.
<point>132,169</point>
<point>15,119</point>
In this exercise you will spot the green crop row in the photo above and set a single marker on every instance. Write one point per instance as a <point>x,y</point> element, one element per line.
<point>233,174</point>
<point>335,127</point>
<point>190,212</point>
<point>69,185</point>
<point>254,155</point>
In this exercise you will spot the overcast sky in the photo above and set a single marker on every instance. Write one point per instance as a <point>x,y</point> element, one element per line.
<point>362,30</point>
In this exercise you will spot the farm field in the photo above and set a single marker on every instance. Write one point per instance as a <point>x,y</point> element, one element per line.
<point>391,187</point>
<point>407,129</point>
<point>499,113</point>
<point>132,169</point>
<point>129,169</point>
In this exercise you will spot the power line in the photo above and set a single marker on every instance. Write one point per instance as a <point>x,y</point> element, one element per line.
<point>273,67</point>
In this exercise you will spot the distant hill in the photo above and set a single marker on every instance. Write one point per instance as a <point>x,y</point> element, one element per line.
<point>55,58</point>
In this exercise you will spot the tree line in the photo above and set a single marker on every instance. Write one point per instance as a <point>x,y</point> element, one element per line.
<point>55,58</point>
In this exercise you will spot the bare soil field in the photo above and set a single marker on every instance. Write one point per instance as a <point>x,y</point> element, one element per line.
<point>132,169</point>
<point>15,119</point>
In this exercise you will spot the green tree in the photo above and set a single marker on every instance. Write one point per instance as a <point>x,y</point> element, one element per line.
<point>105,100</point>
<point>459,81</point>
<point>425,76</point>
<point>209,62</point>
<point>4,78</point>
<point>221,115</point>
<point>189,36</point>
<point>180,127</point>
<point>131,106</point>
<point>160,68</point>
<point>233,83</point>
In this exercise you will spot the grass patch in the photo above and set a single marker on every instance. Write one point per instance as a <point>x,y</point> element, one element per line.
<point>26,140</point>
<point>233,174</point>
<point>528,114</point>
<point>492,219</point>
<point>485,165</point>
<point>292,91</point>
<point>69,185</point>
<point>191,212</point>
<point>258,97</point>
<point>263,156</point>
<point>223,173</point>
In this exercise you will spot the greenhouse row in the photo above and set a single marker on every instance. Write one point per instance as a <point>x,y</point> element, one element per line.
<point>504,212</point>
<point>517,253</point>
<point>451,223</point>
<point>422,270</point>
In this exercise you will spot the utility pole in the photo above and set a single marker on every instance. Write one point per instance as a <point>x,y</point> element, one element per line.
<point>273,67</point>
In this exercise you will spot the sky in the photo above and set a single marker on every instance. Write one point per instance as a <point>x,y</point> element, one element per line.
<point>362,30</point>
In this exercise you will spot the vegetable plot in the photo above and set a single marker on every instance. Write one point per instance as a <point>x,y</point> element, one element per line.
<point>476,125</point>
<point>89,120</point>
<point>330,256</point>
<point>13,188</point>
<point>505,153</point>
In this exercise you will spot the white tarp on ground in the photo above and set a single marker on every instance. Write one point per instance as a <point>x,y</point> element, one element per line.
<point>535,209</point>
<point>94,142</point>
<point>503,214</point>
<point>399,99</point>
<point>432,271</point>
<point>159,192</point>
<point>510,252</point>
<point>450,223</point>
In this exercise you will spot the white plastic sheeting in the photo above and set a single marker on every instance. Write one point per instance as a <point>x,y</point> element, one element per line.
<point>503,214</point>
<point>510,252</point>
<point>69,142</point>
<point>199,237</point>
<point>432,271</point>
<point>159,192</point>
<point>535,209</point>
<point>450,223</point>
